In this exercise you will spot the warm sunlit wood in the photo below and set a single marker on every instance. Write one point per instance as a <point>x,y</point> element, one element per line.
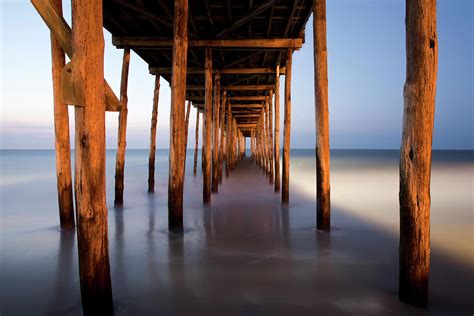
<point>177,120</point>
<point>415,155</point>
<point>323,220</point>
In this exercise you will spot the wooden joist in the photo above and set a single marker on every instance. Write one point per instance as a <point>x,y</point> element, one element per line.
<point>254,44</point>
<point>224,71</point>
<point>233,88</point>
<point>247,98</point>
<point>62,32</point>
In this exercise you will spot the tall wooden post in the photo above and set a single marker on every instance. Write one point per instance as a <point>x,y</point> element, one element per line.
<point>61,133</point>
<point>177,124</point>
<point>276,146</point>
<point>270,134</point>
<point>92,228</point>
<point>251,144</point>
<point>285,194</point>
<point>207,128</point>
<point>154,120</point>
<point>197,143</point>
<point>222,131</point>
<point>415,154</point>
<point>323,190</point>
<point>215,141</point>
<point>186,129</point>
<point>268,142</point>
<point>122,130</point>
<point>228,140</point>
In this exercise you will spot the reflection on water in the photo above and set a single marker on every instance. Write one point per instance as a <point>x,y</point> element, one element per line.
<point>245,254</point>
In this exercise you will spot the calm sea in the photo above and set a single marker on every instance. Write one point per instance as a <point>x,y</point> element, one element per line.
<point>246,254</point>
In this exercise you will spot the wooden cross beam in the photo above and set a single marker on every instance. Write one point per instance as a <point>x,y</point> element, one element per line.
<point>225,71</point>
<point>247,98</point>
<point>62,32</point>
<point>234,88</point>
<point>253,44</point>
<point>233,98</point>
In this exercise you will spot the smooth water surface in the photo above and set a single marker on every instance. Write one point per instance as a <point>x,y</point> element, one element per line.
<point>245,254</point>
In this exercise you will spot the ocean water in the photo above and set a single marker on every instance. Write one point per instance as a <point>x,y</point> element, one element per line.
<point>245,254</point>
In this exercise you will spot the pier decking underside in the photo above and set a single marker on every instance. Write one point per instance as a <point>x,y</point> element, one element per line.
<point>129,21</point>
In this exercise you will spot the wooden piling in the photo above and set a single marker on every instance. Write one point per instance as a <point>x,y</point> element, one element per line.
<point>323,205</point>
<point>122,130</point>
<point>228,140</point>
<point>215,141</point>
<point>270,134</point>
<point>222,132</point>
<point>186,129</point>
<point>276,145</point>
<point>415,154</point>
<point>196,143</point>
<point>61,133</point>
<point>92,228</point>
<point>154,120</point>
<point>177,121</point>
<point>285,193</point>
<point>207,127</point>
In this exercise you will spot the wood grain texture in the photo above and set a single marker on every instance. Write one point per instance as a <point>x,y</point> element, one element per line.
<point>276,146</point>
<point>177,116</point>
<point>207,128</point>
<point>62,32</point>
<point>92,227</point>
<point>61,132</point>
<point>215,134</point>
<point>122,130</point>
<point>323,210</point>
<point>285,190</point>
<point>419,94</point>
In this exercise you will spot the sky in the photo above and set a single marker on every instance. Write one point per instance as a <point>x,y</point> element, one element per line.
<point>366,65</point>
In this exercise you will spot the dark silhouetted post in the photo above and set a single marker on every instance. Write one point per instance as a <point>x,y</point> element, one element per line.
<point>154,120</point>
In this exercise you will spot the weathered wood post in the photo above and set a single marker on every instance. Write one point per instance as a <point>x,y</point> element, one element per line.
<point>215,142</point>
<point>122,130</point>
<point>154,120</point>
<point>415,154</point>
<point>251,144</point>
<point>196,143</point>
<point>228,139</point>
<point>276,146</point>
<point>61,133</point>
<point>92,228</point>
<point>270,133</point>
<point>222,131</point>
<point>323,190</point>
<point>285,194</point>
<point>186,129</point>
<point>265,142</point>
<point>177,124</point>
<point>206,156</point>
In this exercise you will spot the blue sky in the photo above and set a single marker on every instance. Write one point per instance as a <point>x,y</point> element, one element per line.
<point>366,59</point>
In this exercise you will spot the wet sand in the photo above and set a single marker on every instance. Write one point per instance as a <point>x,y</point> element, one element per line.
<point>244,255</point>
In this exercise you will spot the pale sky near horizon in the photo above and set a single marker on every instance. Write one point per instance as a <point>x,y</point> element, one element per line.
<point>366,60</point>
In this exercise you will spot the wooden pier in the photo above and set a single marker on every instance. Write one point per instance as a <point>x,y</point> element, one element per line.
<point>225,58</point>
